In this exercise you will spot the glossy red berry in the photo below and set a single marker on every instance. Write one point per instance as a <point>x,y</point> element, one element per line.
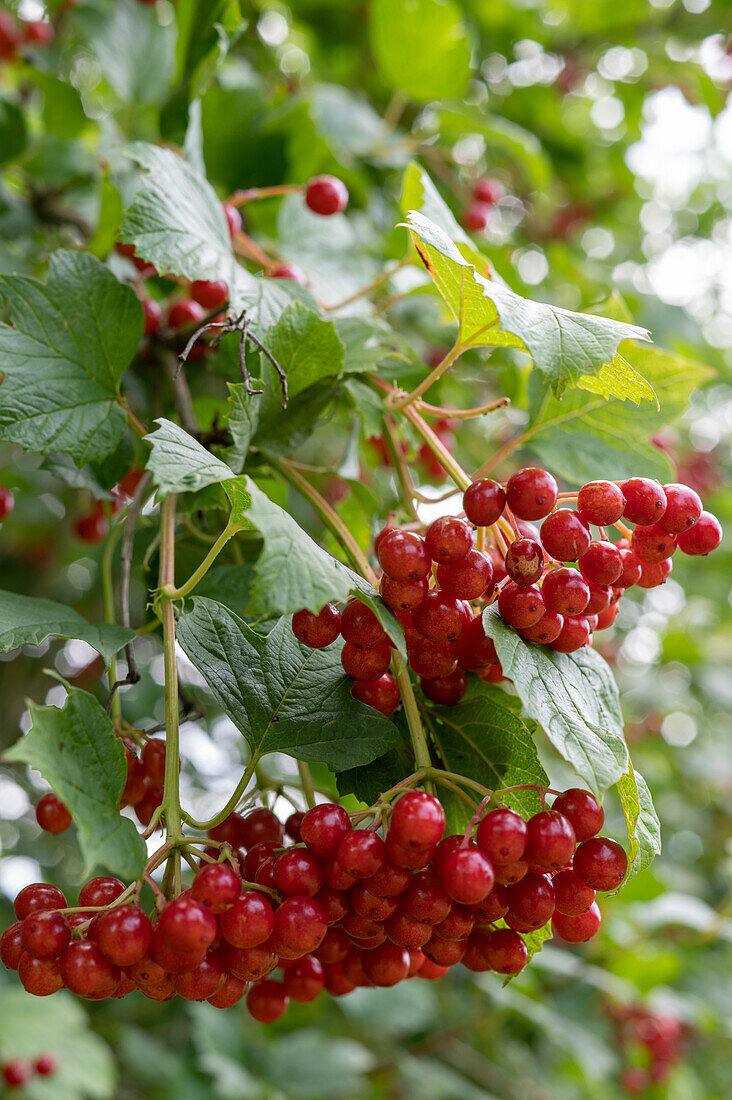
<point>187,926</point>
<point>300,924</point>
<point>45,935</point>
<point>531,493</point>
<point>389,881</point>
<point>484,502</point>
<point>267,1001</point>
<point>292,826</point>
<point>601,503</point>
<point>360,626</point>
<point>578,929</point>
<point>467,875</point>
<point>445,690</point>
<point>286,269</point>
<point>91,526</point>
<point>204,981</point>
<point>152,314</point>
<point>7,503</point>
<point>297,871</point>
<point>575,634</point>
<point>441,617</point>
<point>123,934</point>
<point>323,827</point>
<point>304,979</point>
<point>652,544</point>
<point>632,569</point>
<point>653,575</point>
<point>41,977</point>
<point>601,562</point>
<point>683,509</point>
<point>403,595</point>
<point>100,891</point>
<point>251,963</point>
<point>547,630</point>
<point>645,500</point>
<point>505,951</point>
<point>531,900</point>
<point>477,216</point>
<point>51,814</point>
<point>370,905</point>
<point>417,820</point>
<point>566,591</point>
<point>524,561</point>
<point>467,579</point>
<point>565,535</point>
<point>184,313</point>
<point>326,195</point>
<point>365,664</point>
<point>11,945</point>
<point>38,896</point>
<point>403,555</point>
<point>703,537</point>
<point>448,540</point>
<point>432,659</point>
<point>230,992</point>
<point>217,886</point>
<point>86,971</point>
<point>601,863</point>
<point>475,648</point>
<point>551,839</point>
<point>426,899</point>
<point>382,694</point>
<point>210,295</point>
<point>520,606</point>
<point>488,190</point>
<point>153,759</point>
<point>249,922</point>
<point>582,810</point>
<point>502,835</point>
<point>317,631</point>
<point>260,826</point>
<point>571,895</point>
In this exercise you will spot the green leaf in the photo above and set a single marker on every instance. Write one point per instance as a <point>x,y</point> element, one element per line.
<point>63,466</point>
<point>135,50</point>
<point>229,584</point>
<point>572,696</point>
<point>369,343</point>
<point>485,738</point>
<point>644,828</point>
<point>63,361</point>
<point>584,436</point>
<point>56,1025</point>
<point>178,462</point>
<point>13,136</point>
<point>419,193</point>
<point>242,415</point>
<point>619,379</point>
<point>421,47</point>
<point>306,347</point>
<point>563,345</point>
<point>368,782</point>
<point>282,696</point>
<point>29,620</point>
<point>310,1064</point>
<point>63,111</point>
<point>75,748</point>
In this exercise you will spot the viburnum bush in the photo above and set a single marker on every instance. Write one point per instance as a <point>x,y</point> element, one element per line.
<point>212,391</point>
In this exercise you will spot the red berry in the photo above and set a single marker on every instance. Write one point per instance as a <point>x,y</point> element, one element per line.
<point>7,503</point>
<point>445,690</point>
<point>41,977</point>
<point>326,195</point>
<point>565,535</point>
<point>653,575</point>
<point>531,493</point>
<point>477,217</point>
<point>631,571</point>
<point>361,853</point>
<point>204,981</point>
<point>703,537</point>
<point>403,555</point>
<point>683,509</point>
<point>432,659</point>
<point>571,895</point>
<point>317,631</point>
<point>414,858</point>
<point>187,926</point>
<point>38,896</point>
<point>387,964</point>
<point>488,190</point>
<point>445,952</point>
<point>566,591</point>
<point>11,945</point>
<point>601,863</point>
<point>440,617</point>
<point>652,544</point>
<point>403,595</point>
<point>267,1001</point>
<point>210,295</point>
<point>323,828</point>
<point>426,899</point>
<point>531,900</point>
<point>408,932</point>
<point>475,649</point>
<point>484,502</point>
<point>448,540</point>
<point>547,630</point>
<point>494,906</point>
<point>467,579</point>
<point>382,694</point>
<point>520,607</point>
<point>249,922</point>
<point>260,826</point>
<point>467,875</point>
<point>233,218</point>
<point>91,526</point>
<point>601,563</point>
<point>335,946</point>
<point>146,806</point>
<point>285,269</point>
<point>365,664</point>
<point>217,886</point>
<point>417,820</point>
<point>86,971</point>
<point>601,596</point>
<point>153,759</point>
<point>360,627</point>
<point>257,857</point>
<point>578,929</point>
<point>100,891</point>
<point>551,839</point>
<point>184,313</point>
<point>645,500</point>
<point>152,314</point>
<point>45,1065</point>
<point>298,872</point>
<point>304,979</point>
<point>389,881</point>
<point>502,835</point>
<point>45,935</point>
<point>123,934</point>
<point>607,617</point>
<point>292,826</point>
<point>300,924</point>
<point>370,905</point>
<point>524,561</point>
<point>582,810</point>
<point>505,951</point>
<point>574,634</point>
<point>51,814</point>
<point>601,503</point>
<point>230,993</point>
<point>251,963</point>
<point>17,1072</point>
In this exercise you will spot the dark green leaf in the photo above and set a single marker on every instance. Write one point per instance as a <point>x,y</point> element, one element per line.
<point>282,696</point>
<point>12,131</point>
<point>75,748</point>
<point>63,361</point>
<point>29,620</point>
<point>572,696</point>
<point>178,462</point>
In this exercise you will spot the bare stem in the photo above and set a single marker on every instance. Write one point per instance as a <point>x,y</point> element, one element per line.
<point>171,789</point>
<point>306,779</point>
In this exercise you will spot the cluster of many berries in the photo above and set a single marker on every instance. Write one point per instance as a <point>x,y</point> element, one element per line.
<point>19,1071</point>
<point>431,581</point>
<point>654,1043</point>
<point>340,907</point>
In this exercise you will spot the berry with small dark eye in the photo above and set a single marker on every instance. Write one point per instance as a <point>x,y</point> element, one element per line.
<point>531,493</point>
<point>468,578</point>
<point>645,500</point>
<point>361,852</point>
<point>431,660</point>
<point>417,820</point>
<point>326,195</point>
<point>382,694</point>
<point>445,690</point>
<point>578,929</point>
<point>267,1001</point>
<point>532,899</point>
<point>524,561</point>
<point>683,509</point>
<point>703,537</point>
<point>260,826</point>
<point>87,972</point>
<point>51,814</point>
<point>467,875</point>
<point>249,922</point>
<point>551,840</point>
<point>100,891</point>
<point>582,810</point>
<point>317,630</point>
<point>520,607</point>
<point>505,951</point>
<point>655,574</point>
<point>440,617</point>
<point>484,502</point>
<point>210,295</point>
<point>360,627</point>
<point>448,540</point>
<point>45,935</point>
<point>365,664</point>
<point>566,591</point>
<point>286,269</point>
<point>475,648</point>
<point>571,895</point>
<point>217,886</point>
<point>601,596</point>
<point>652,544</point>
<point>548,628</point>
<point>403,595</point>
<point>403,555</point>
<point>565,535</point>
<point>601,503</point>
<point>186,926</point>
<point>575,634</point>
<point>123,934</point>
<point>38,896</point>
<point>298,871</point>
<point>601,863</point>
<point>502,835</point>
<point>631,569</point>
<point>323,828</point>
<point>601,562</point>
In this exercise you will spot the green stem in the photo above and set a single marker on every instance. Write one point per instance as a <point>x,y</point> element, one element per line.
<point>171,790</point>
<point>233,802</point>
<point>373,285</point>
<point>306,780</point>
<point>110,615</point>
<point>420,747</point>
<point>198,574</point>
<point>439,450</point>
<point>391,441</point>
<point>400,404</point>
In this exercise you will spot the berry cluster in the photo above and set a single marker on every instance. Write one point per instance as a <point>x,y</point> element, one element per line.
<point>340,907</point>
<point>143,789</point>
<point>19,1071</point>
<point>432,581</point>
<point>653,1043</point>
